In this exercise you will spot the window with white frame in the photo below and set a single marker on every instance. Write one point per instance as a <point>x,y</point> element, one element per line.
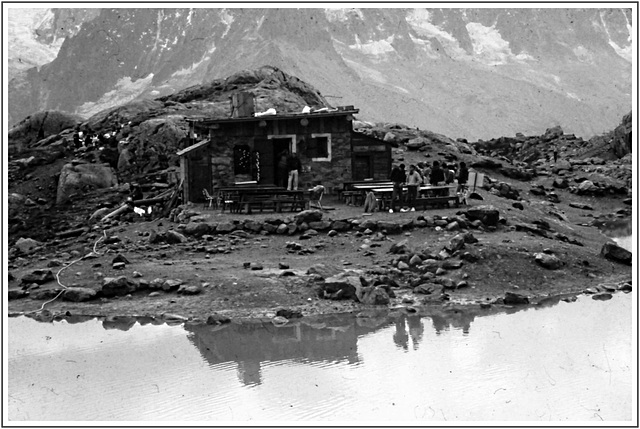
<point>319,147</point>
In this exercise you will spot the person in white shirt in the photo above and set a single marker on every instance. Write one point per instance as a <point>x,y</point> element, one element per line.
<point>413,181</point>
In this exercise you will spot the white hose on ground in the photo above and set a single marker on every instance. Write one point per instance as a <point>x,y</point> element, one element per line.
<point>104,232</point>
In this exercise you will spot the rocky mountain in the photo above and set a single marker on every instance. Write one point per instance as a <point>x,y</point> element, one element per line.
<point>471,73</point>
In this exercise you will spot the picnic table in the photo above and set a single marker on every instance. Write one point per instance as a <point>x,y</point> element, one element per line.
<point>427,195</point>
<point>248,197</point>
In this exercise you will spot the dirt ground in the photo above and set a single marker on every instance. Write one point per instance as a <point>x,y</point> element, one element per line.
<point>505,262</point>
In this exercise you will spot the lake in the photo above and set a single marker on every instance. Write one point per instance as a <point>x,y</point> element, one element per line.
<point>564,362</point>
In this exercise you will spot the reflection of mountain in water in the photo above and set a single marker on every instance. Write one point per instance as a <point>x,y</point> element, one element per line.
<point>329,339</point>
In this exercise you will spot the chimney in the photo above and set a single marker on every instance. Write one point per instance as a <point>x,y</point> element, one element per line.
<point>242,105</point>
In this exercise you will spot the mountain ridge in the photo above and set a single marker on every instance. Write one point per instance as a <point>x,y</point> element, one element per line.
<point>471,73</point>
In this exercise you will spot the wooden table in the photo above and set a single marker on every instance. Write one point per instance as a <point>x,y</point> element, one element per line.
<point>246,198</point>
<point>427,195</point>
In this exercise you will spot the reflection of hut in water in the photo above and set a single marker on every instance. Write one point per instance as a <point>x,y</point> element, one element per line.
<point>330,339</point>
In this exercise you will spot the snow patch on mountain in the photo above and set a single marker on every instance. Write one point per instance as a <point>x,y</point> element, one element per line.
<point>227,19</point>
<point>374,47</point>
<point>24,50</point>
<point>124,91</point>
<point>489,46</point>
<point>624,51</point>
<point>419,21</point>
<point>342,14</point>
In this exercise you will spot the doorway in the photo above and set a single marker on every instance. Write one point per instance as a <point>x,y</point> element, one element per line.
<point>281,146</point>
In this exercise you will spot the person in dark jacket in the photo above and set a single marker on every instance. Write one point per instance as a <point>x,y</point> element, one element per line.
<point>293,167</point>
<point>463,176</point>
<point>398,177</point>
<point>437,175</point>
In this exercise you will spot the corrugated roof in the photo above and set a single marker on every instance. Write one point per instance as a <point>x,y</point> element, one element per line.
<point>192,147</point>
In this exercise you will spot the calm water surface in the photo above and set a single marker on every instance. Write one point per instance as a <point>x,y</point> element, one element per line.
<point>564,362</point>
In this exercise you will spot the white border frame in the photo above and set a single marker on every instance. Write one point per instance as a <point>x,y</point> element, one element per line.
<point>328,136</point>
<point>293,137</point>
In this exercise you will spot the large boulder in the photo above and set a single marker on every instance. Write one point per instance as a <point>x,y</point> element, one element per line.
<point>80,177</point>
<point>487,214</point>
<point>615,253</point>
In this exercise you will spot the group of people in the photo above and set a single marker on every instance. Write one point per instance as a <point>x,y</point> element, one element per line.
<point>289,168</point>
<point>437,174</point>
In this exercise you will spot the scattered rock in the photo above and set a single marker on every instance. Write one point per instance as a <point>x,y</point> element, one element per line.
<point>489,215</point>
<point>189,290</point>
<point>603,296</point>
<point>38,276</point>
<point>116,286</point>
<point>171,285</point>
<point>399,248</point>
<point>615,253</point>
<point>120,258</point>
<point>340,287</point>
<point>581,206</point>
<point>17,294</point>
<point>425,288</point>
<point>79,294</point>
<point>289,314</point>
<point>217,319</point>
<point>511,298</point>
<point>308,216</point>
<point>27,245</point>
<point>174,237</point>
<point>373,295</point>
<point>550,262</point>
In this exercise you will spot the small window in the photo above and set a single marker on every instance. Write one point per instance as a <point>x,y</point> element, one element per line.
<point>319,147</point>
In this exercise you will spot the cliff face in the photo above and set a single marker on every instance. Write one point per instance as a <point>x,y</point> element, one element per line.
<point>473,73</point>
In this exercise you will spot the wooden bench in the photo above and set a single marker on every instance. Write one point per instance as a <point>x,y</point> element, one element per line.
<point>273,200</point>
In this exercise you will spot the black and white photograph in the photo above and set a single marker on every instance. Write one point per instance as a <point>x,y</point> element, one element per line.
<point>320,214</point>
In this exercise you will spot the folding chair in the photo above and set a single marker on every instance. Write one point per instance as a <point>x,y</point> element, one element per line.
<point>315,195</point>
<point>208,198</point>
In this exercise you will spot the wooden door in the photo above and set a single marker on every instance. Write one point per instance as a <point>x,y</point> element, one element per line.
<point>266,161</point>
<point>362,167</point>
<point>199,178</point>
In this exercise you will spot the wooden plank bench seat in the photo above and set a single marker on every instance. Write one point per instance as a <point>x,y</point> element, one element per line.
<point>273,202</point>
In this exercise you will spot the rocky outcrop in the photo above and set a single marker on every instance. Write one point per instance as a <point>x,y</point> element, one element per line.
<point>80,177</point>
<point>39,126</point>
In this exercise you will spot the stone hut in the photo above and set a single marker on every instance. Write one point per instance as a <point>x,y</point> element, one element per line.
<point>248,149</point>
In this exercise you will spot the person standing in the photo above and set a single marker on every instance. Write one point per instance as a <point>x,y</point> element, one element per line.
<point>413,181</point>
<point>398,178</point>
<point>282,169</point>
<point>293,167</point>
<point>437,175</point>
<point>437,178</point>
<point>463,176</point>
